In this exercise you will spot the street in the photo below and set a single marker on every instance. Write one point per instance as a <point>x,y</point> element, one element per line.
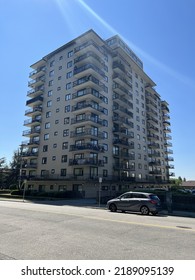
<point>35,231</point>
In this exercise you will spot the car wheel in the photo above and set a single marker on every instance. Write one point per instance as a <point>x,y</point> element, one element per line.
<point>112,207</point>
<point>154,213</point>
<point>144,210</point>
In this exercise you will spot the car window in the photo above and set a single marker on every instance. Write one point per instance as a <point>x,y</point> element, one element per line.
<point>139,195</point>
<point>127,195</point>
<point>154,197</point>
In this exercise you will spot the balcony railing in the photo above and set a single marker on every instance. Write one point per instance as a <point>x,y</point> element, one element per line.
<point>33,110</point>
<point>92,79</point>
<point>36,100</point>
<point>87,118</point>
<point>87,66</point>
<point>88,91</point>
<point>86,161</point>
<point>91,105</point>
<point>87,146</point>
<point>88,132</point>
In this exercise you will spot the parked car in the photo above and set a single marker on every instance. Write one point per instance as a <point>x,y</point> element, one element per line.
<point>137,202</point>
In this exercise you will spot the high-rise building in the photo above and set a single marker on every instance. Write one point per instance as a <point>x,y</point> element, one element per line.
<point>94,113</point>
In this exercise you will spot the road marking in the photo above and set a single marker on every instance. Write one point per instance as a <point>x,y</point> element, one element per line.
<point>181,228</point>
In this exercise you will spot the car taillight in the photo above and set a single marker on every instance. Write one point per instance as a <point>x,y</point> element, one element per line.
<point>153,201</point>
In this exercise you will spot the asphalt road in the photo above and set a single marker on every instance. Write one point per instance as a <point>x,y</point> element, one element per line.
<point>33,231</point>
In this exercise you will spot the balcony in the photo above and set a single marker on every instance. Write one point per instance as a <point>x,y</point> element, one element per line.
<point>168,151</point>
<point>122,131</point>
<point>164,107</point>
<point>122,110</point>
<point>123,142</point>
<point>87,46</point>
<point>87,119</point>
<point>154,154</point>
<point>34,111</point>
<point>155,163</point>
<point>88,132</point>
<point>29,154</point>
<point>33,121</point>
<point>88,106</point>
<point>83,94</point>
<point>31,143</point>
<point>123,166</point>
<point>36,101</point>
<point>122,120</point>
<point>32,132</point>
<point>168,144</point>
<point>152,136</point>
<point>169,158</point>
<point>89,56</point>
<point>35,92</point>
<point>155,172</point>
<point>29,166</point>
<point>152,128</point>
<point>37,72</point>
<point>121,100</point>
<point>166,123</point>
<point>117,65</point>
<point>153,145</point>
<point>87,70</point>
<point>121,80</point>
<point>121,90</point>
<point>37,82</point>
<point>167,130</point>
<point>87,146</point>
<point>86,161</point>
<point>89,81</point>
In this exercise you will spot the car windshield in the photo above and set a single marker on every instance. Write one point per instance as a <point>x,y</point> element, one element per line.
<point>154,197</point>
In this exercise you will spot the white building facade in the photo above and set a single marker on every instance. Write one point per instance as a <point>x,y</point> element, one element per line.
<point>94,113</point>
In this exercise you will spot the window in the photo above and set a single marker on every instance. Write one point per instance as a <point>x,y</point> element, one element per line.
<point>46,136</point>
<point>68,86</point>
<point>50,83</point>
<point>55,133</point>
<point>66,120</point>
<point>67,108</point>
<point>50,92</point>
<point>54,145</point>
<point>57,110</point>
<point>70,53</point>
<point>69,64</point>
<point>66,132</point>
<point>45,148</point>
<point>60,68</point>
<point>80,129</point>
<point>67,96</point>
<point>105,173</point>
<point>52,63</point>
<point>69,75</point>
<point>64,145</point>
<point>105,159</point>
<point>51,73</point>
<point>61,57</point>
<point>47,125</point>
<point>54,158</point>
<point>58,99</point>
<point>44,160</point>
<point>58,88</point>
<point>63,172</point>
<point>49,103</point>
<point>64,158</point>
<point>48,114</point>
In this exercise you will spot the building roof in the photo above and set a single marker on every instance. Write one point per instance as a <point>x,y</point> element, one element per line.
<point>189,184</point>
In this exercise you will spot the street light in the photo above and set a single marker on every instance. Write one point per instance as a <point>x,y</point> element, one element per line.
<point>100,182</point>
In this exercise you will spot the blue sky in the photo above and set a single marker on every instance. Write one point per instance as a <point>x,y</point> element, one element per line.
<point>160,32</point>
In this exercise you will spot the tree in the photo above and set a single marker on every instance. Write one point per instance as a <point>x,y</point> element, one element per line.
<point>14,174</point>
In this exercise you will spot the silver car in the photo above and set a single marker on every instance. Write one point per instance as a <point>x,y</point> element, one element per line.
<point>136,202</point>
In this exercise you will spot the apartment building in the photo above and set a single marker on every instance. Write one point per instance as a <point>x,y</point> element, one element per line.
<point>94,113</point>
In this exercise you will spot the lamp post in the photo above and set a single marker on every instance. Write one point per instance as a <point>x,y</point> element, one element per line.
<point>100,182</point>
<point>25,181</point>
